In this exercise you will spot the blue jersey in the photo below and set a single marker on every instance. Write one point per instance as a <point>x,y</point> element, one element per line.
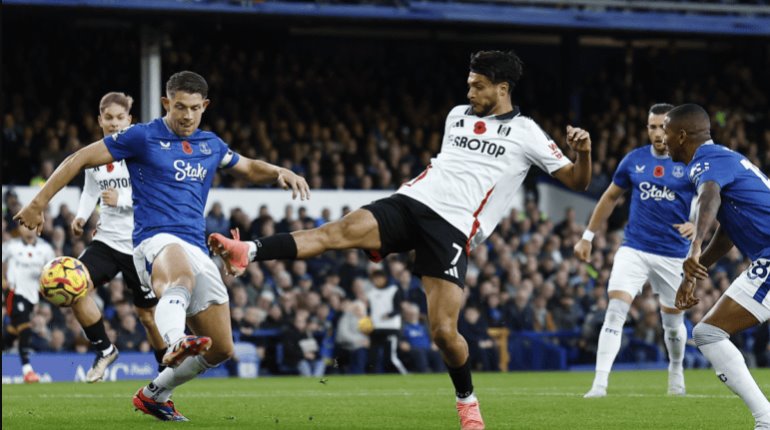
<point>661,196</point>
<point>171,177</point>
<point>745,192</point>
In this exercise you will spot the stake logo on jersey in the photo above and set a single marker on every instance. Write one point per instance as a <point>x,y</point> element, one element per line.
<point>745,193</point>
<point>660,197</point>
<point>482,163</point>
<point>170,178</point>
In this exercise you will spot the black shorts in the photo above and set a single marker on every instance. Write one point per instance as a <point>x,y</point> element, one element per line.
<point>406,224</point>
<point>19,309</point>
<point>104,263</point>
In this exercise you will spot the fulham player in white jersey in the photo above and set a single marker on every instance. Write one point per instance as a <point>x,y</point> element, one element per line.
<point>487,150</point>
<point>23,259</point>
<point>111,251</point>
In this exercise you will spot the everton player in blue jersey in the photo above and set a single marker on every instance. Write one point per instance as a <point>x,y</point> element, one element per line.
<point>172,164</point>
<point>654,247</point>
<point>736,193</point>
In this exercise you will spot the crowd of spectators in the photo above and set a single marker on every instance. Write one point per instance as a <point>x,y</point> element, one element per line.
<point>369,116</point>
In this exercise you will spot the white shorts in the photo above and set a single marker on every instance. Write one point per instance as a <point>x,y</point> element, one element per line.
<point>632,268</point>
<point>752,289</point>
<point>209,288</point>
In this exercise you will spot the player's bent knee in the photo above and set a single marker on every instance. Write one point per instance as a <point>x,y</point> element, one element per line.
<point>617,311</point>
<point>705,334</point>
<point>443,335</point>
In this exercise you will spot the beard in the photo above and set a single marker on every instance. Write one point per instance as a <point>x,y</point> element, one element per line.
<point>481,110</point>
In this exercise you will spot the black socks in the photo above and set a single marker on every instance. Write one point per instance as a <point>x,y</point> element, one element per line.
<point>98,335</point>
<point>461,378</point>
<point>281,246</point>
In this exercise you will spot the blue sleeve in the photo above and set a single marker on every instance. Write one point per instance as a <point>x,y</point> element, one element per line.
<point>127,143</point>
<point>718,168</point>
<point>228,158</point>
<point>621,177</point>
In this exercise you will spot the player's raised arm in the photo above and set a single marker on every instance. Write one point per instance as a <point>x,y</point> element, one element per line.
<point>601,212</point>
<point>92,155</point>
<point>260,172</point>
<point>577,175</point>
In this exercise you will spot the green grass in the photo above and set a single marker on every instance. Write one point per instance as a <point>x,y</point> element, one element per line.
<point>508,401</point>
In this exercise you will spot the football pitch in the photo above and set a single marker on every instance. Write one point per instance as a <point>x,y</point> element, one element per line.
<point>547,400</point>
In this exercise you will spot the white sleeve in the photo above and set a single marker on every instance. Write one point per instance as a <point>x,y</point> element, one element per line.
<point>88,197</point>
<point>6,252</point>
<point>543,152</point>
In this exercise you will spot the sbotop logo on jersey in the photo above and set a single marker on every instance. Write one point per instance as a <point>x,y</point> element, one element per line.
<point>106,184</point>
<point>478,145</point>
<point>185,170</point>
<point>651,191</point>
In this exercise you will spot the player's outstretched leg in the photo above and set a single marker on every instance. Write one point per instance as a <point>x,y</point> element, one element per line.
<point>444,302</point>
<point>90,318</point>
<point>609,343</point>
<point>675,336</point>
<point>358,229</point>
<point>712,335</point>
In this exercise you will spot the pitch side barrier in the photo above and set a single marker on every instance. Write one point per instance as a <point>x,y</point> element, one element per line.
<point>72,367</point>
<point>612,15</point>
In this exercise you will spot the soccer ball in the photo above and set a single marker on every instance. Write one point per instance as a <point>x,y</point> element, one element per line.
<point>64,281</point>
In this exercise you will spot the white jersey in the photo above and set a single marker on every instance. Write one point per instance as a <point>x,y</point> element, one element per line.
<point>115,223</point>
<point>25,263</point>
<point>482,164</point>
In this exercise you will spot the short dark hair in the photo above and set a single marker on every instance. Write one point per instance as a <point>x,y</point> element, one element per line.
<point>189,82</point>
<point>690,117</point>
<point>660,108</point>
<point>498,66</point>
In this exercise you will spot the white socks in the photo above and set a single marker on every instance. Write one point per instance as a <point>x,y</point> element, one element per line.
<point>252,250</point>
<point>470,399</point>
<point>609,340</point>
<point>731,369</point>
<point>171,313</point>
<point>675,337</point>
<point>26,368</point>
<point>161,388</point>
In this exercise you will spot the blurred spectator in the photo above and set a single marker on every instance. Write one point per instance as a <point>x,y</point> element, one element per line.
<point>422,355</point>
<point>300,348</point>
<point>352,343</point>
<point>216,222</point>
<point>385,312</point>
<point>482,349</point>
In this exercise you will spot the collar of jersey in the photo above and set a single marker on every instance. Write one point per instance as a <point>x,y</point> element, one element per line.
<point>502,117</point>
<point>163,120</point>
<point>708,142</point>
<point>661,157</point>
